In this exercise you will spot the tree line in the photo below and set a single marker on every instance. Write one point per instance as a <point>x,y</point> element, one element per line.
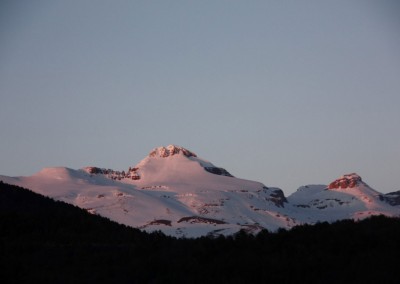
<point>47,241</point>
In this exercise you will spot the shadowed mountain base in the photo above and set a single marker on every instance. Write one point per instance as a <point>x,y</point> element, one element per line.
<point>43,241</point>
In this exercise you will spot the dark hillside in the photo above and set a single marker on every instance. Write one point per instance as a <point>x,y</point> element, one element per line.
<point>44,241</point>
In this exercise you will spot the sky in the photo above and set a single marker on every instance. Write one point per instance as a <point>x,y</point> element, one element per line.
<point>287,93</point>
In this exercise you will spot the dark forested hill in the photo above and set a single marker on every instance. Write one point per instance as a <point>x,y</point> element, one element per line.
<point>44,241</point>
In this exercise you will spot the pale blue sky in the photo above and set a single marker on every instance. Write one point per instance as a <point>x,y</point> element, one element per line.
<point>283,92</point>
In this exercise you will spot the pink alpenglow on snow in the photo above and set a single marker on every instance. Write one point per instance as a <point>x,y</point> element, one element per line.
<point>183,195</point>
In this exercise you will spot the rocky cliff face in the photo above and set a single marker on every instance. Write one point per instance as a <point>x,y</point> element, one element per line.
<point>277,197</point>
<point>346,181</point>
<point>392,198</point>
<point>171,150</point>
<point>131,173</point>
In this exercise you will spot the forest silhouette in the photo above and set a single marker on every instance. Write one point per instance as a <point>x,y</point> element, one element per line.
<point>47,241</point>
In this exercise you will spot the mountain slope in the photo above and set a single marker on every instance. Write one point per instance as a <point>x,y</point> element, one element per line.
<point>27,215</point>
<point>176,191</point>
<point>44,241</point>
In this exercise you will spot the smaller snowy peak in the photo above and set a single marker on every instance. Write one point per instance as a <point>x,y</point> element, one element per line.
<point>346,181</point>
<point>58,173</point>
<point>171,150</point>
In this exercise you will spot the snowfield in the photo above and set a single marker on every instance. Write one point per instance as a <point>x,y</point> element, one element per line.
<point>182,195</point>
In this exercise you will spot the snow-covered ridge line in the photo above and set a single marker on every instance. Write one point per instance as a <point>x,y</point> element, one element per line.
<point>181,194</point>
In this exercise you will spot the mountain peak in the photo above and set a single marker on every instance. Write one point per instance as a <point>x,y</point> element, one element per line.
<point>171,150</point>
<point>346,181</point>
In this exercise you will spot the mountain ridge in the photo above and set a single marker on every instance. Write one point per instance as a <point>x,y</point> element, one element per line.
<point>183,195</point>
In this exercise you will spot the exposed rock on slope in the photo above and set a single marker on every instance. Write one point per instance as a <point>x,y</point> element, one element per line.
<point>392,198</point>
<point>346,181</point>
<point>171,150</point>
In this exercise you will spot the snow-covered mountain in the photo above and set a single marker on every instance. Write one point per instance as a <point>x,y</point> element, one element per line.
<point>175,191</point>
<point>348,197</point>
